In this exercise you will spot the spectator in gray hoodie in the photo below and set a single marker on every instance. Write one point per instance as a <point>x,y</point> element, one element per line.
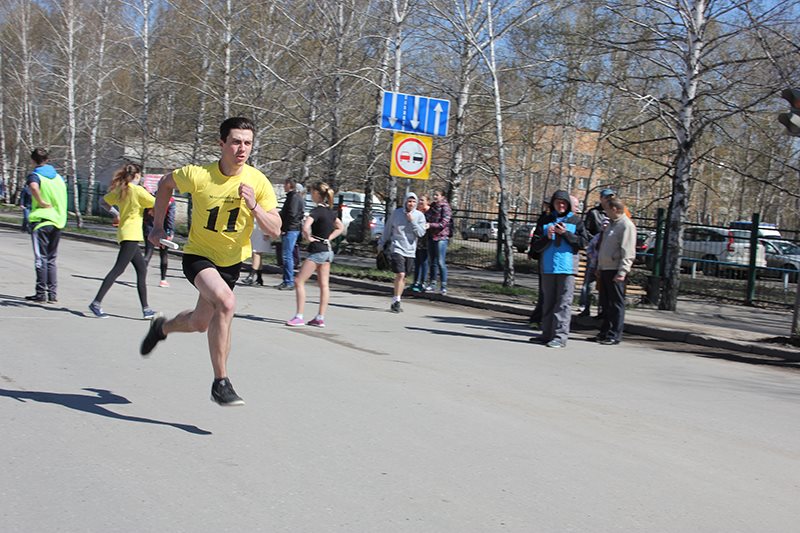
<point>400,234</point>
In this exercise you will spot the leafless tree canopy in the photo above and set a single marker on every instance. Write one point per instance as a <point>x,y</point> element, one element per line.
<point>672,103</point>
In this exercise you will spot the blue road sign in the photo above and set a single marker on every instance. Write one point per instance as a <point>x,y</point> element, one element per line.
<point>409,113</point>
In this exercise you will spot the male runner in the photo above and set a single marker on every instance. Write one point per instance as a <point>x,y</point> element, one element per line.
<point>227,196</point>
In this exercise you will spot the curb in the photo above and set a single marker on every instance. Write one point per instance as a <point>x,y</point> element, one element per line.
<point>661,333</point>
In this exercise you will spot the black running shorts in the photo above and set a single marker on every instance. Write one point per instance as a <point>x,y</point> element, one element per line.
<point>193,264</point>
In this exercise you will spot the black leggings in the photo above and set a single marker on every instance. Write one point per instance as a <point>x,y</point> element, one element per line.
<point>128,253</point>
<point>162,255</point>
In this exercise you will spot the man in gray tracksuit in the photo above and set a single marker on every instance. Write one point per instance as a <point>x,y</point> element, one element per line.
<point>401,231</point>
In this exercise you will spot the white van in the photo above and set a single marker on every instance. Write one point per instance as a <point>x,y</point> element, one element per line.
<point>765,229</point>
<point>719,249</point>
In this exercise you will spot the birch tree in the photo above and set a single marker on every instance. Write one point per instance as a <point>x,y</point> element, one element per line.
<point>690,47</point>
<point>65,30</point>
<point>475,23</point>
<point>20,71</point>
<point>101,73</point>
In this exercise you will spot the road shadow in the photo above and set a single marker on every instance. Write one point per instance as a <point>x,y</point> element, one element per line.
<point>116,282</point>
<point>256,318</point>
<point>93,404</point>
<point>497,324</point>
<point>20,302</point>
<point>736,357</point>
<point>461,333</point>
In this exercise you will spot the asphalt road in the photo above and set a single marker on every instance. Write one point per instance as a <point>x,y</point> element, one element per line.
<point>437,419</point>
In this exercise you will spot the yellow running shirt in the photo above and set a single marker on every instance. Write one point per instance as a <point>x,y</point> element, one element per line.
<point>221,223</point>
<point>130,211</point>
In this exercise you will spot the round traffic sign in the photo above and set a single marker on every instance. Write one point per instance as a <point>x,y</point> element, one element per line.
<point>411,156</point>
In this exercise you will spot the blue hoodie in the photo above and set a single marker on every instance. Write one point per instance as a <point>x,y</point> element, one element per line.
<point>559,255</point>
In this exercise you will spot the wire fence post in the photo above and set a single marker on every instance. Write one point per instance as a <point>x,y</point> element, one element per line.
<point>750,296</point>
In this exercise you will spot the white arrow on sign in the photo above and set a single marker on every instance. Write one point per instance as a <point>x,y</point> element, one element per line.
<point>415,118</point>
<point>393,116</point>
<point>437,114</point>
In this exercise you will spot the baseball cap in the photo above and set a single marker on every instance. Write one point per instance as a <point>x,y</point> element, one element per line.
<point>607,192</point>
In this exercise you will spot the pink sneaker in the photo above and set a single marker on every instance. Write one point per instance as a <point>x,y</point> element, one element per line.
<point>163,283</point>
<point>294,321</point>
<point>319,322</point>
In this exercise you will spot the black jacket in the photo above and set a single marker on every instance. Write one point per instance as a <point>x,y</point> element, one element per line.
<point>292,212</point>
<point>593,220</point>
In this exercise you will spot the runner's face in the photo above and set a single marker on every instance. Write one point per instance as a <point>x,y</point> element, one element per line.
<point>237,147</point>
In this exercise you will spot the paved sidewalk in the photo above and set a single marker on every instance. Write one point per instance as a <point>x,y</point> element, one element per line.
<point>732,327</point>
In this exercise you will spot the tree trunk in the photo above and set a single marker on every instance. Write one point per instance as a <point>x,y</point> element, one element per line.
<point>98,107</point>
<point>459,139</point>
<point>372,155</point>
<point>4,178</point>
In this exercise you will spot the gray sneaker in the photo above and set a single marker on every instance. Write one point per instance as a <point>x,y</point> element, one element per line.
<point>222,393</point>
<point>555,343</point>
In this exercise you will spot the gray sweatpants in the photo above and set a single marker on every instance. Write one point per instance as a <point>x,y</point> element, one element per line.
<point>557,292</point>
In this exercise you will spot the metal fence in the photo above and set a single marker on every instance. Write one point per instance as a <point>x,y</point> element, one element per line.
<point>719,263</point>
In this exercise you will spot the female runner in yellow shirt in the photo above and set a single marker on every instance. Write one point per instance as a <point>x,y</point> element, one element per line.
<point>132,200</point>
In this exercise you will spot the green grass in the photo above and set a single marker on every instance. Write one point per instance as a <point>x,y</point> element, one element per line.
<point>498,288</point>
<point>361,272</point>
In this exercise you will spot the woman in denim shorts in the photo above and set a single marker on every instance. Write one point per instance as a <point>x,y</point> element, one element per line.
<point>320,227</point>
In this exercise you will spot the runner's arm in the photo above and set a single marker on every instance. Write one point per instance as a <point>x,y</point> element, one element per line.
<point>37,195</point>
<point>163,194</point>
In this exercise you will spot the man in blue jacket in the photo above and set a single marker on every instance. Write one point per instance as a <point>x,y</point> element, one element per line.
<point>557,240</point>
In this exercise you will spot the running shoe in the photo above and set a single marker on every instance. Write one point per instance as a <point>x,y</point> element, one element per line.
<point>148,313</point>
<point>318,322</point>
<point>154,335</point>
<point>97,310</point>
<point>222,392</point>
<point>395,308</point>
<point>295,321</point>
<point>163,283</point>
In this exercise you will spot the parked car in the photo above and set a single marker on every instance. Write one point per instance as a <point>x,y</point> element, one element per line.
<point>720,249</point>
<point>521,238</point>
<point>482,230</point>
<point>376,228</point>
<point>644,239</point>
<point>350,213</point>
<point>782,256</point>
<point>765,229</point>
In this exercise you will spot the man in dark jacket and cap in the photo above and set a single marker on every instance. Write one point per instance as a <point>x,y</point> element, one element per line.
<point>557,240</point>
